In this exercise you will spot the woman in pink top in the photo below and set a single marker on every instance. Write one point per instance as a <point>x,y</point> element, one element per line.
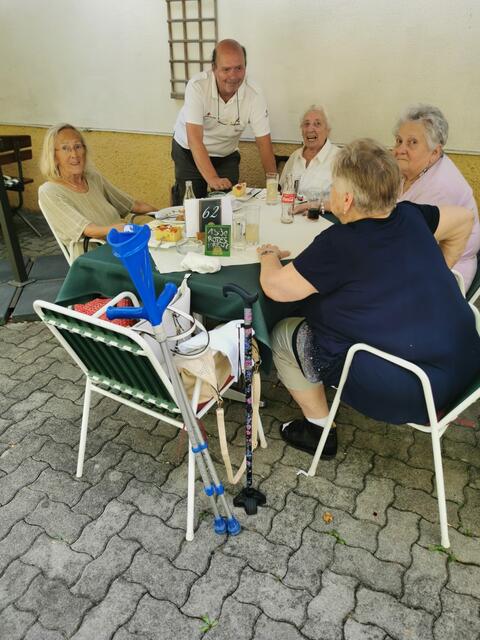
<point>430,177</point>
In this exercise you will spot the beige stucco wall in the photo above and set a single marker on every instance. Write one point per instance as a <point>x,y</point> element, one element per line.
<point>141,164</point>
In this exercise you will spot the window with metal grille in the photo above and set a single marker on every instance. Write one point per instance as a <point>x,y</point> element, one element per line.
<point>192,34</point>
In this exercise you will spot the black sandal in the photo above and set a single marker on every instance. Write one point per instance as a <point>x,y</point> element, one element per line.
<point>305,436</point>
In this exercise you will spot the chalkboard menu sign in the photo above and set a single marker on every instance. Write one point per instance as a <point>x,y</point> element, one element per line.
<point>209,212</point>
<point>217,239</point>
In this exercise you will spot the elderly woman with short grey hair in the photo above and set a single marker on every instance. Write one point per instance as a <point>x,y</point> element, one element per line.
<point>312,163</point>
<point>430,177</point>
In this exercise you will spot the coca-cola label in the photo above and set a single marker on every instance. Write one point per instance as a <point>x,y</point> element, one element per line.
<point>288,198</point>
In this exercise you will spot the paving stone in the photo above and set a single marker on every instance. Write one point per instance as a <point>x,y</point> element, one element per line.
<point>98,436</point>
<point>58,520</point>
<point>261,522</point>
<point>362,565</point>
<point>144,468</point>
<point>424,580</point>
<point>54,605</point>
<point>300,460</point>
<point>281,481</point>
<point>456,476</point>
<point>355,631</point>
<point>266,629</point>
<point>461,451</point>
<point>14,623</point>
<point>27,472</point>
<point>465,548</point>
<point>18,541</point>
<point>154,536</point>
<point>306,565</point>
<point>464,578</point>
<point>101,572</point>
<point>15,453</point>
<point>161,620</point>
<point>423,504</point>
<point>32,403</point>
<point>402,473</point>
<point>460,433</point>
<point>37,632</point>
<point>141,440</point>
<point>123,634</point>
<point>114,610</point>
<point>352,470</point>
<point>237,620</point>
<point>38,423</point>
<point>96,534</point>
<point>209,591</point>
<point>59,456</point>
<point>327,493</point>
<point>399,621</point>
<point>205,539</point>
<point>25,372</point>
<point>22,504</point>
<point>258,552</point>
<point>460,618</point>
<point>275,599</point>
<point>66,371</point>
<point>373,502</point>
<point>395,540</point>
<point>149,499</point>
<point>394,443</point>
<point>94,500</point>
<point>60,486</point>
<point>62,389</point>
<point>160,578</point>
<point>14,582</point>
<point>289,524</point>
<point>110,455</point>
<point>469,511</point>
<point>420,453</point>
<point>56,559</point>
<point>327,611</point>
<point>356,533</point>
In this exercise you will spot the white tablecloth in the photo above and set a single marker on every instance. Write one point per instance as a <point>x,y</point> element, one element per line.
<point>294,237</point>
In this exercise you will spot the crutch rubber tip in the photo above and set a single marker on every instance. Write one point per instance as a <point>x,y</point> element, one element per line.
<point>219,525</point>
<point>219,490</point>
<point>210,490</point>
<point>233,526</point>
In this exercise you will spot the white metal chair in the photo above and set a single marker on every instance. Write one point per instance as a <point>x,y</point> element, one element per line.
<point>73,249</point>
<point>436,427</point>
<point>120,364</point>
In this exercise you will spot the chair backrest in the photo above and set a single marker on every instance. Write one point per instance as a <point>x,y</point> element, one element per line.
<point>69,258</point>
<point>15,149</point>
<point>474,289</point>
<point>111,356</point>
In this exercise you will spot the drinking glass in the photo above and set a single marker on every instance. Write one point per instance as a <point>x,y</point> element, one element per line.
<point>252,224</point>
<point>238,230</point>
<point>271,181</point>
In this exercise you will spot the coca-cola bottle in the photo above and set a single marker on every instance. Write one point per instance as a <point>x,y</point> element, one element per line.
<point>288,200</point>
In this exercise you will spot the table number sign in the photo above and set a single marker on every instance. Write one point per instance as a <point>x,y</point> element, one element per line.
<point>200,212</point>
<point>209,212</point>
<point>217,240</point>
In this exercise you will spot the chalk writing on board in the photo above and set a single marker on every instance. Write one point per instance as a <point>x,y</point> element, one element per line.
<point>217,239</point>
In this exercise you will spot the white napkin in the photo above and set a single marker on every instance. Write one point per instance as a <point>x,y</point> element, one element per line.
<point>200,263</point>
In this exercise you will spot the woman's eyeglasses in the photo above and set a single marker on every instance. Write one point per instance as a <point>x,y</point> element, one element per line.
<point>66,148</point>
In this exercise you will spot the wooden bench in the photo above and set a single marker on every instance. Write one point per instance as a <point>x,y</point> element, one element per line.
<point>15,150</point>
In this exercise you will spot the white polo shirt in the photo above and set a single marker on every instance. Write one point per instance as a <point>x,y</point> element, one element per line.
<point>223,123</point>
<point>318,175</point>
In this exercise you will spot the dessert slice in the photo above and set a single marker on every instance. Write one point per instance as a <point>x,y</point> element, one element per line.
<point>168,233</point>
<point>239,190</point>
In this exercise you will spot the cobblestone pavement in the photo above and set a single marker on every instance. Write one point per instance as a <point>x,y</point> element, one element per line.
<point>105,556</point>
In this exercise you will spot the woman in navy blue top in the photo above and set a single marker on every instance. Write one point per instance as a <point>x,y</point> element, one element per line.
<point>381,277</point>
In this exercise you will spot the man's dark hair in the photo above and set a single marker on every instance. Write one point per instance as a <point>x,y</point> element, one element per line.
<point>214,55</point>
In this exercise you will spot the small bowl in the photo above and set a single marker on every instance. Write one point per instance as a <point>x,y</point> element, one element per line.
<point>188,245</point>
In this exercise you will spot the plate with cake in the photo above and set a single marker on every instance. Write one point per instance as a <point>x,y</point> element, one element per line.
<point>165,235</point>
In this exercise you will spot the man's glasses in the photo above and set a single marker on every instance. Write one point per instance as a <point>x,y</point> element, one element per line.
<point>231,124</point>
<point>66,148</point>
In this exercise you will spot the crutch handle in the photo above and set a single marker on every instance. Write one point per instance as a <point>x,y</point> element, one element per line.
<point>248,298</point>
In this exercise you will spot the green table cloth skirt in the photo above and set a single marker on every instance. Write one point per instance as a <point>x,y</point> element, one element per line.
<point>99,274</point>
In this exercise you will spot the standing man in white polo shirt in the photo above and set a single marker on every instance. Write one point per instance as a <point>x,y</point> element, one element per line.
<point>219,104</point>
